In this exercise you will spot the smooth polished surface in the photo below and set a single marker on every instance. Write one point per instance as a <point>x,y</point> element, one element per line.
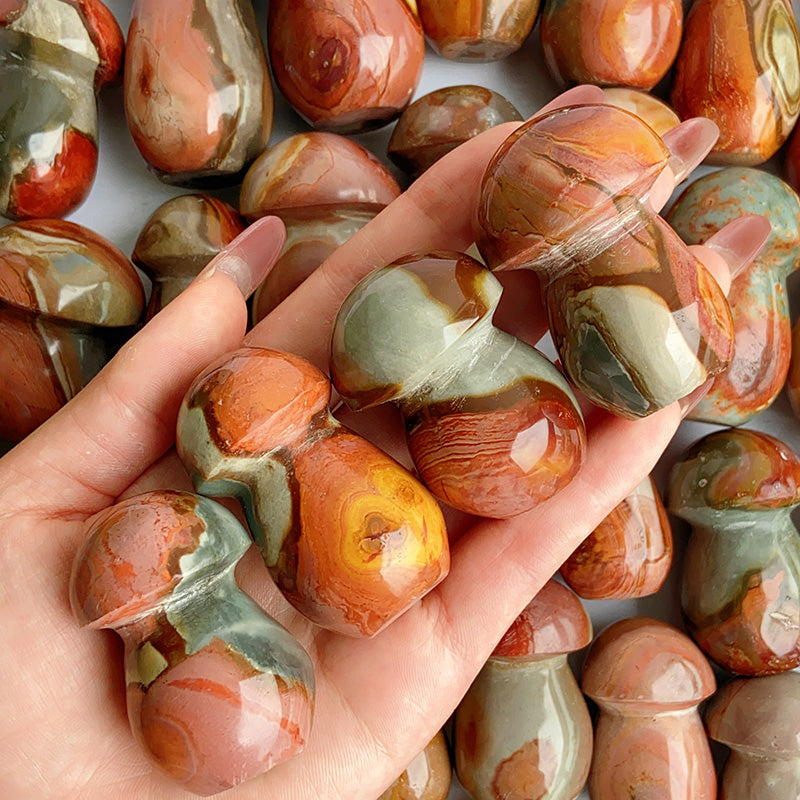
<point>637,320</point>
<point>345,65</point>
<point>427,777</point>
<point>739,65</point>
<point>740,592</point>
<point>757,718</point>
<point>654,111</point>
<point>350,537</point>
<point>180,238</point>
<point>54,56</point>
<point>217,691</point>
<point>438,122</point>
<point>477,30</point>
<point>648,679</point>
<point>198,97</point>
<point>523,729</point>
<point>491,424</point>
<point>68,297</point>
<point>758,297</point>
<point>610,42</point>
<point>628,554</point>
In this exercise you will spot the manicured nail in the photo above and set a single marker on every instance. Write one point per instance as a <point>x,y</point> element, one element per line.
<point>689,143</point>
<point>585,94</point>
<point>250,256</point>
<point>740,241</point>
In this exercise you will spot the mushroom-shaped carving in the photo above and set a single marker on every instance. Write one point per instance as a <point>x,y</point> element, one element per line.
<point>648,679</point>
<point>68,298</point>
<point>325,188</point>
<point>757,718</point>
<point>440,121</point>
<point>345,65</point>
<point>181,236</point>
<point>758,298</point>
<point>54,56</point>
<point>198,97</point>
<point>523,729</point>
<point>740,592</point>
<point>350,537</point>
<point>427,777</point>
<point>217,691</point>
<point>637,320</point>
<point>628,554</point>
<point>491,424</point>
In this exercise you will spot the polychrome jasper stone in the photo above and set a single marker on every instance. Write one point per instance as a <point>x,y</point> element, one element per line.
<point>740,592</point>
<point>310,173</point>
<point>757,718</point>
<point>647,679</point>
<point>217,691</point>
<point>649,108</point>
<point>758,297</point>
<point>198,97</point>
<point>181,236</point>
<point>523,729</point>
<point>477,30</point>
<point>791,164</point>
<point>54,56</point>
<point>345,65</point>
<point>427,777</point>
<point>350,538</point>
<point>68,298</point>
<point>491,424</point>
<point>628,554</point>
<point>610,42</point>
<point>739,65</point>
<point>439,122</point>
<point>566,196</point>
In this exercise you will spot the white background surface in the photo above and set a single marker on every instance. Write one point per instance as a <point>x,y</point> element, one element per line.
<point>126,193</point>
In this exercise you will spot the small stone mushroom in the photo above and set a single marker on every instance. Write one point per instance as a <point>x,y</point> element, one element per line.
<point>648,679</point>
<point>523,728</point>
<point>759,720</point>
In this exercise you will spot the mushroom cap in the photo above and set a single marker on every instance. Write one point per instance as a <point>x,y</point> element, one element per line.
<point>60,268</point>
<point>137,551</point>
<point>397,325</point>
<point>647,665</point>
<point>758,715</point>
<point>554,622</point>
<point>736,468</point>
<point>311,171</point>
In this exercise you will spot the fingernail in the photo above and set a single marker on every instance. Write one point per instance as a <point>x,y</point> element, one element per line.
<point>740,241</point>
<point>584,94</point>
<point>689,143</point>
<point>689,403</point>
<point>250,256</point>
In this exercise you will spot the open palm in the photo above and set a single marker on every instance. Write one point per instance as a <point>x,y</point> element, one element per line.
<point>64,727</point>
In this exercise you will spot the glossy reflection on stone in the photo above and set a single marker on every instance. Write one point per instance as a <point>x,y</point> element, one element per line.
<point>757,718</point>
<point>647,679</point>
<point>68,298</point>
<point>198,97</point>
<point>610,42</point>
<point>480,30</point>
<point>439,122</point>
<point>427,777</point>
<point>492,425</point>
<point>636,318</point>
<point>740,592</point>
<point>351,539</point>
<point>54,56</point>
<point>758,297</point>
<point>654,111</point>
<point>628,554</point>
<point>217,691</point>
<point>345,65</point>
<point>739,65</point>
<point>523,729</point>
<point>181,236</point>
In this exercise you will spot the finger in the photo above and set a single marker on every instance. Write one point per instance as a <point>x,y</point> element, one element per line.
<point>124,420</point>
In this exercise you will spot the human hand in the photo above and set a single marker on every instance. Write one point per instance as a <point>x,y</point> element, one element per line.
<point>378,701</point>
